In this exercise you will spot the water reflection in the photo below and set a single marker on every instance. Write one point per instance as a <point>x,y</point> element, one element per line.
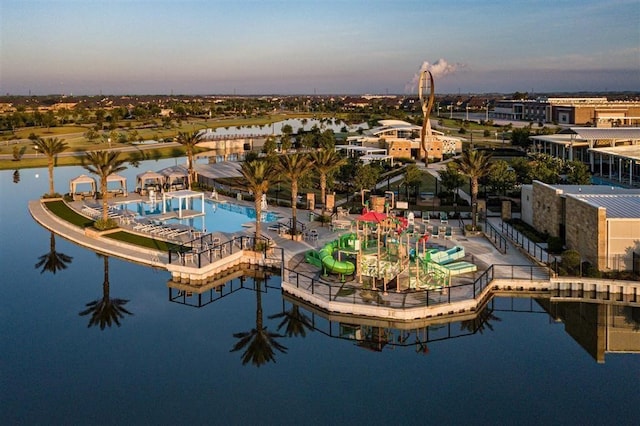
<point>598,327</point>
<point>106,311</point>
<point>259,343</point>
<point>375,334</point>
<point>481,322</point>
<point>296,323</point>
<point>53,261</point>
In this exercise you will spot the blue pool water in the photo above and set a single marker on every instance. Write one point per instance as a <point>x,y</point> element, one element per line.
<point>595,180</point>
<point>224,217</point>
<point>219,216</point>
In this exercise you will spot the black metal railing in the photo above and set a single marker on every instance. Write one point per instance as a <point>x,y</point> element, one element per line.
<point>412,298</point>
<point>534,250</point>
<point>208,248</point>
<point>495,236</point>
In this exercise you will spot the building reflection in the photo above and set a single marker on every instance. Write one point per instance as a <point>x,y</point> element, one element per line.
<point>599,327</point>
<point>202,293</point>
<point>377,334</point>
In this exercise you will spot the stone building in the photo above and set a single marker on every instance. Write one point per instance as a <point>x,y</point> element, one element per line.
<point>599,221</point>
<point>400,139</point>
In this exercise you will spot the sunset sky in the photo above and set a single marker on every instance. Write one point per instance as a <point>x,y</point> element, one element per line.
<point>325,47</point>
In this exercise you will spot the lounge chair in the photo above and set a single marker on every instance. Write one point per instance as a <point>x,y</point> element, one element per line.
<point>435,232</point>
<point>448,233</point>
<point>443,217</point>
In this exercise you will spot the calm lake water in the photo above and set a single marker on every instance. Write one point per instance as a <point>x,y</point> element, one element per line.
<point>168,363</point>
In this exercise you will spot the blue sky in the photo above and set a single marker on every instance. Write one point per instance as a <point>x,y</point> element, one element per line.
<point>325,47</point>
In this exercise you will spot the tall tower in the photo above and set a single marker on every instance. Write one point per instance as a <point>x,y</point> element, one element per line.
<point>427,98</point>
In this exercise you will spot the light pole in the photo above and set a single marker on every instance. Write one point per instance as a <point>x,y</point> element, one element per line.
<point>35,148</point>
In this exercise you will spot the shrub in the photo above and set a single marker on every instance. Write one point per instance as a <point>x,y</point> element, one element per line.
<point>571,260</point>
<point>103,225</point>
<point>589,270</point>
<point>323,218</point>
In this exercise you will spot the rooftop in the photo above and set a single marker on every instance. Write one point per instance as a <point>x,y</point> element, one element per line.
<point>618,206</point>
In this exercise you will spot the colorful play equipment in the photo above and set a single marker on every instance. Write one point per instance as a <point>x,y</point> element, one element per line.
<point>324,258</point>
<point>389,251</point>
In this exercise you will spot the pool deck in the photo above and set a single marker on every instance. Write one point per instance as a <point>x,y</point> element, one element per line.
<point>479,249</point>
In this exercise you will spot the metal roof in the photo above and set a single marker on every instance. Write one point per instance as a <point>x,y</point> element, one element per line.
<point>606,190</point>
<point>618,206</point>
<point>590,133</point>
<point>631,152</point>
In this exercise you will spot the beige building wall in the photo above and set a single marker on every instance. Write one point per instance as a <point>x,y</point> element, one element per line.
<point>586,231</point>
<point>399,148</point>
<point>623,236</point>
<point>547,208</point>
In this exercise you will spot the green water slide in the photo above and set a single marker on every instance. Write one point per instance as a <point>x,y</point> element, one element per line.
<point>324,259</point>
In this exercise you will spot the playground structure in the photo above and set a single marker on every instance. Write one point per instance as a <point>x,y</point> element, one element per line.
<point>324,258</point>
<point>385,250</point>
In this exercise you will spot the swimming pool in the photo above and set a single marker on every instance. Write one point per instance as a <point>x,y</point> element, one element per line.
<point>595,180</point>
<point>219,216</point>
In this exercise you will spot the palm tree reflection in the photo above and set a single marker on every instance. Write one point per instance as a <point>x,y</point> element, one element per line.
<point>480,322</point>
<point>53,261</point>
<point>259,343</point>
<point>106,311</point>
<point>296,322</point>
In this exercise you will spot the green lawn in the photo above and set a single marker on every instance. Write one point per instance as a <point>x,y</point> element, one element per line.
<point>63,211</point>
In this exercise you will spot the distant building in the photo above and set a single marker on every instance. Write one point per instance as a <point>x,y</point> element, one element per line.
<point>598,112</point>
<point>601,222</point>
<point>399,139</point>
<point>612,153</point>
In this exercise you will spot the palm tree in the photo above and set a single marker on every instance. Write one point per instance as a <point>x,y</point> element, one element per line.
<point>50,147</point>
<point>296,322</point>
<point>189,140</point>
<point>105,311</point>
<point>324,162</point>
<point>259,342</point>
<point>53,261</point>
<point>257,174</point>
<point>474,165</point>
<point>103,164</point>
<point>293,167</point>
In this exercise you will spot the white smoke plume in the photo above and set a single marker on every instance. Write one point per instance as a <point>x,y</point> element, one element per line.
<point>439,68</point>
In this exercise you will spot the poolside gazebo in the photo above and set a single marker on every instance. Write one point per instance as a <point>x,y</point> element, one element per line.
<point>82,180</point>
<point>120,185</point>
<point>149,180</point>
<point>175,177</point>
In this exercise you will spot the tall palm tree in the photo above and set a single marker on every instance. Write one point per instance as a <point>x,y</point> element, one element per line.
<point>50,147</point>
<point>103,164</point>
<point>293,167</point>
<point>257,174</point>
<point>259,342</point>
<point>474,165</point>
<point>189,140</point>
<point>53,261</point>
<point>106,311</point>
<point>324,162</point>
